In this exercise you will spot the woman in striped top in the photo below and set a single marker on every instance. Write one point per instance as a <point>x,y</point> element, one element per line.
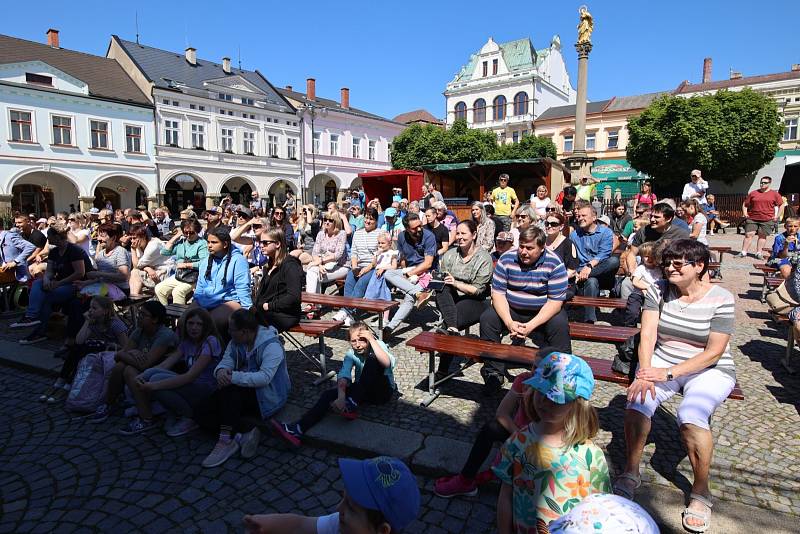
<point>686,325</point>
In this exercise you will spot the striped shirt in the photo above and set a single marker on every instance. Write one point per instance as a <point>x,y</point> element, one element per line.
<point>683,330</point>
<point>365,244</point>
<point>529,287</point>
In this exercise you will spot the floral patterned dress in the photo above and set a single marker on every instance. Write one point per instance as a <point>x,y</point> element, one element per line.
<point>547,482</point>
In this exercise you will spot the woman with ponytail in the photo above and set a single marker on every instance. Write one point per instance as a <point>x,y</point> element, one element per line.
<point>224,282</point>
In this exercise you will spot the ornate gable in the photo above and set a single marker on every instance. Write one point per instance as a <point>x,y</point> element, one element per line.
<point>237,83</point>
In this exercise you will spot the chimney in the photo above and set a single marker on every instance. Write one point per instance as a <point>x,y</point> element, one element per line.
<point>795,67</point>
<point>52,38</point>
<point>707,70</point>
<point>226,65</point>
<point>311,89</point>
<point>191,56</point>
<point>289,88</point>
<point>735,75</point>
<point>345,98</point>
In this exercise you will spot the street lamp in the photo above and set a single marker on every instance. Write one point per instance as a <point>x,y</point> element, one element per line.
<point>312,111</point>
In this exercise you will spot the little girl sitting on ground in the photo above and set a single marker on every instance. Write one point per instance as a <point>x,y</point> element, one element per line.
<point>551,465</point>
<point>374,384</point>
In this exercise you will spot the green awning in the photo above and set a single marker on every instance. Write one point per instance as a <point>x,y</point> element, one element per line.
<point>614,169</point>
<point>459,166</point>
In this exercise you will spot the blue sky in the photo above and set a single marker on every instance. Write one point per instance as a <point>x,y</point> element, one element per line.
<point>398,56</point>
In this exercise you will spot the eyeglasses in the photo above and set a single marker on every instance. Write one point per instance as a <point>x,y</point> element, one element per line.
<point>278,213</point>
<point>522,216</point>
<point>552,209</point>
<point>552,224</point>
<point>765,183</point>
<point>677,264</point>
<point>265,242</point>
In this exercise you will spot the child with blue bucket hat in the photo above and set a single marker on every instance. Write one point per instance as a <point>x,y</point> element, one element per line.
<point>549,466</point>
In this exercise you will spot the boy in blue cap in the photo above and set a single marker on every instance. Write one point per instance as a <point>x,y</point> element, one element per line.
<point>380,496</point>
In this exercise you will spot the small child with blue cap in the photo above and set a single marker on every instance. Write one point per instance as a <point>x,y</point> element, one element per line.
<point>549,466</point>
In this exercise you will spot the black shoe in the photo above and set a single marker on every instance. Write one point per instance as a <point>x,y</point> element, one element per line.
<point>387,333</point>
<point>493,384</point>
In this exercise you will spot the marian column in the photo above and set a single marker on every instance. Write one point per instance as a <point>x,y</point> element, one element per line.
<point>579,162</point>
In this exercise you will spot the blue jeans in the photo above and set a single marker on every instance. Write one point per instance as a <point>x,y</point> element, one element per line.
<point>356,287</point>
<point>40,303</point>
<point>602,275</point>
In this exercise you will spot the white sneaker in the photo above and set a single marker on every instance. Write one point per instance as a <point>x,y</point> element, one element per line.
<point>348,320</point>
<point>248,442</point>
<point>221,452</point>
<point>25,323</point>
<point>340,315</point>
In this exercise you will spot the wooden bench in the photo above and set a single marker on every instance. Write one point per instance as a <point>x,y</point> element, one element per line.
<point>602,333</point>
<point>130,305</point>
<point>477,351</point>
<point>599,302</point>
<point>336,302</point>
<point>787,358</point>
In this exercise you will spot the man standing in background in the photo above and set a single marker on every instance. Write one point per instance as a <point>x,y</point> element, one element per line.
<point>505,202</point>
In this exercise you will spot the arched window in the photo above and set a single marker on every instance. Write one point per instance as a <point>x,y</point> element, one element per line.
<point>499,112</point>
<point>479,111</point>
<point>521,103</point>
<point>461,111</point>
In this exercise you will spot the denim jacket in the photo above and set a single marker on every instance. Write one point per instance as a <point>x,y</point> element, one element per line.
<point>17,249</point>
<point>263,368</point>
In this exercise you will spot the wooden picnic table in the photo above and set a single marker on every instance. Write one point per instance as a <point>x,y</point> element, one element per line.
<point>336,302</point>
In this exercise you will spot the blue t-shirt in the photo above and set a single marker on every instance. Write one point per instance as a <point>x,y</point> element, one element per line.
<point>680,223</point>
<point>414,254</point>
<point>777,248</point>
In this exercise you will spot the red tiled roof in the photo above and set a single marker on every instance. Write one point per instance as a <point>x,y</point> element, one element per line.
<point>418,115</point>
<point>686,87</point>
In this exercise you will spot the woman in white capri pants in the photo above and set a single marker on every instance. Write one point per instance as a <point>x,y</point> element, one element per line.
<point>686,325</point>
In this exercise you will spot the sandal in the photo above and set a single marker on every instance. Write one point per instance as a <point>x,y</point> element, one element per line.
<point>704,516</point>
<point>625,491</point>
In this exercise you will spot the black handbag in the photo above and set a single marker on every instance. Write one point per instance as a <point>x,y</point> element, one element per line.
<point>187,276</point>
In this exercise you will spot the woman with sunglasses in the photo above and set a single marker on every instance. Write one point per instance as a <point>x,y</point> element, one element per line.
<point>308,226</point>
<point>189,250</point>
<point>280,220</point>
<point>562,246</point>
<point>687,323</point>
<point>79,234</point>
<point>524,217</point>
<point>329,258</point>
<point>278,297</point>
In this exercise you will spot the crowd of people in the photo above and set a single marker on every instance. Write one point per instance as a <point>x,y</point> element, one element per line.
<point>509,268</point>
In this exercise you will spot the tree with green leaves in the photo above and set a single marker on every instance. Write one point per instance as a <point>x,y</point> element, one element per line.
<point>428,145</point>
<point>726,135</point>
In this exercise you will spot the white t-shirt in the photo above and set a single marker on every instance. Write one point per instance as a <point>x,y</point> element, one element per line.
<point>701,219</point>
<point>151,255</point>
<point>384,259</point>
<point>86,244</point>
<point>540,205</point>
<point>647,274</point>
<point>691,188</point>
<point>328,524</point>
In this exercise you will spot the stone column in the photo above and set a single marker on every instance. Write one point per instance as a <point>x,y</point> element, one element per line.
<point>86,203</point>
<point>211,201</point>
<point>579,163</point>
<point>152,203</point>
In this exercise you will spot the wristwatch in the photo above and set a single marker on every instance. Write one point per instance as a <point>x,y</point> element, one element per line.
<point>669,374</point>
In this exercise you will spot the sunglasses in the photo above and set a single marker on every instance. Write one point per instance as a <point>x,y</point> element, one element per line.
<point>522,216</point>
<point>765,183</point>
<point>552,224</point>
<point>265,242</point>
<point>278,213</point>
<point>256,226</point>
<point>676,264</point>
<point>552,209</point>
<point>327,220</point>
<point>72,219</point>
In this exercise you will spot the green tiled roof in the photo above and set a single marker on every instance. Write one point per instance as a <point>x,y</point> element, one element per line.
<point>518,55</point>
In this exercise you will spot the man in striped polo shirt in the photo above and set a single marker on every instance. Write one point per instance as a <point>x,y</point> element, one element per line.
<point>529,288</point>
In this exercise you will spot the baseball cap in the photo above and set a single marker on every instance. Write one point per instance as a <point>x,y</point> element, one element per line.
<point>505,236</point>
<point>668,201</point>
<point>94,211</point>
<point>605,220</point>
<point>245,211</point>
<point>697,172</point>
<point>385,484</point>
<point>214,209</point>
<point>390,212</point>
<point>603,513</point>
<point>42,220</point>
<point>562,378</point>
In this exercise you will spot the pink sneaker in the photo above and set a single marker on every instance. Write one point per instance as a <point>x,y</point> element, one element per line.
<point>455,485</point>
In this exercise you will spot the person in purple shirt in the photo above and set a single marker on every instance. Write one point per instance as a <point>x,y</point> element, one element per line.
<point>597,267</point>
<point>417,247</point>
<point>529,288</point>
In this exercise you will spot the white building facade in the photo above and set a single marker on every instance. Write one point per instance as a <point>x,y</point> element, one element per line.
<point>339,142</point>
<point>75,130</point>
<point>504,87</point>
<point>219,130</point>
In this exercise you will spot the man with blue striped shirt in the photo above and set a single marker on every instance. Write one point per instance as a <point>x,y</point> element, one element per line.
<point>529,288</point>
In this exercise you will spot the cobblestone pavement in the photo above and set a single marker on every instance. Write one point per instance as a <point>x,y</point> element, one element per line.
<point>756,456</point>
<point>58,474</point>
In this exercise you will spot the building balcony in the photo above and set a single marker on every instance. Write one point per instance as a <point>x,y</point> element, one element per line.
<point>213,157</point>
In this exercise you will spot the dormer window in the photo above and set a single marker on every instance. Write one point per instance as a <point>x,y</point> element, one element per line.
<point>225,96</point>
<point>248,101</point>
<point>494,66</point>
<point>39,79</point>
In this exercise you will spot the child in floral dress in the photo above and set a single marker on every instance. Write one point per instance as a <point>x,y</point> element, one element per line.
<point>549,466</point>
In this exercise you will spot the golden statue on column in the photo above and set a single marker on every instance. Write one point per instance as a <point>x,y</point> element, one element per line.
<point>585,26</point>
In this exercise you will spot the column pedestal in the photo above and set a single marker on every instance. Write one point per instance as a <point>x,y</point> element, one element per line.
<point>86,203</point>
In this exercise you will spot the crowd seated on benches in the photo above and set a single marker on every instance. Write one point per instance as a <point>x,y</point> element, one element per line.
<point>240,275</point>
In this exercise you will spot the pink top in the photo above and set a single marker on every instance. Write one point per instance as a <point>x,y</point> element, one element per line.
<point>648,200</point>
<point>325,245</point>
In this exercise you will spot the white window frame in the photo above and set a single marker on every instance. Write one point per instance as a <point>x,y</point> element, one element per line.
<point>141,139</point>
<point>569,138</point>
<point>591,136</point>
<point>789,124</point>
<point>227,136</point>
<point>334,144</point>
<point>372,150</point>
<point>515,136</point>
<point>109,144</point>
<point>54,116</point>
<point>224,97</point>
<point>316,142</point>
<point>248,101</point>
<point>32,126</point>
<point>291,148</point>
<point>198,132</point>
<point>170,129</point>
<point>249,142</point>
<point>356,150</point>
<point>613,134</point>
<point>273,145</point>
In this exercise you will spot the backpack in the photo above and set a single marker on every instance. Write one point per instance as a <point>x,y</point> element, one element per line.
<point>91,382</point>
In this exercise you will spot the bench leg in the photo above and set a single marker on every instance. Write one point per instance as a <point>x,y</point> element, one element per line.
<point>325,375</point>
<point>786,362</point>
<point>433,391</point>
<point>380,326</point>
<point>764,290</point>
